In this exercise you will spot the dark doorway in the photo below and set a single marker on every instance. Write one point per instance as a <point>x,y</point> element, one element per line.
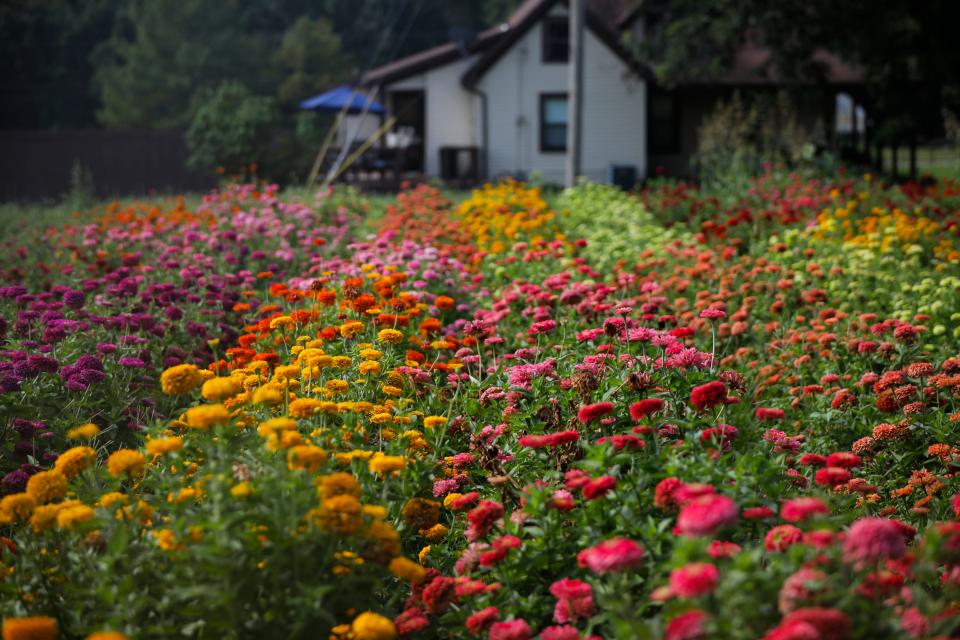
<point>409,108</point>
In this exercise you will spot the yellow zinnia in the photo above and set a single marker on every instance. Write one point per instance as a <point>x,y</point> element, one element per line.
<point>181,379</point>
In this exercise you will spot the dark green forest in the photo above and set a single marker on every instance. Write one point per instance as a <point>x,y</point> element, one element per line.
<point>148,63</point>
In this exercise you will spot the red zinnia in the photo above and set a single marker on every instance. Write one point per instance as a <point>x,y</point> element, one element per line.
<point>643,408</point>
<point>591,412</point>
<point>598,487</point>
<point>762,413</point>
<point>478,622</point>
<point>710,395</point>
<point>831,476</point>
<point>482,518</point>
<point>439,594</point>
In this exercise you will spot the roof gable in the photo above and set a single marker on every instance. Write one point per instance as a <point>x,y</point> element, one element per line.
<point>602,18</point>
<point>532,12</point>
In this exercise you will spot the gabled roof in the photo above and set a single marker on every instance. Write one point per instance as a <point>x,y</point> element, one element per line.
<point>532,11</point>
<point>431,58</point>
<point>602,20</point>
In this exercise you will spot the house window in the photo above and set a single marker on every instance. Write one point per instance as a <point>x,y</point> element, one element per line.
<point>663,125</point>
<point>556,40</point>
<point>553,122</point>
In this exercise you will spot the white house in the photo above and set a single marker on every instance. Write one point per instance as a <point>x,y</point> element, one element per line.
<point>496,105</point>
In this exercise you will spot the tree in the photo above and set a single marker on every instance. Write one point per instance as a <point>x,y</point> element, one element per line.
<point>232,128</point>
<point>907,49</point>
<point>310,57</point>
<point>162,52</point>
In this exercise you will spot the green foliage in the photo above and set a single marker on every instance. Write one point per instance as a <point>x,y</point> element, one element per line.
<point>616,226</point>
<point>231,128</point>
<point>310,55</point>
<point>163,52</point>
<point>741,136</point>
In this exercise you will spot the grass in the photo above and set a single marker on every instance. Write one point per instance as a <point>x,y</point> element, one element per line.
<point>939,161</point>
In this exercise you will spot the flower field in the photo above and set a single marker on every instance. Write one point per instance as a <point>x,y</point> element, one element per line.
<point>670,415</point>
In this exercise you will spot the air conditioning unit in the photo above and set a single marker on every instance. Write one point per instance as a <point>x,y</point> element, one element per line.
<point>623,176</point>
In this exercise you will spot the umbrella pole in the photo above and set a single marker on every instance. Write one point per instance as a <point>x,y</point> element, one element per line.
<point>315,170</point>
<point>362,148</point>
<point>335,169</point>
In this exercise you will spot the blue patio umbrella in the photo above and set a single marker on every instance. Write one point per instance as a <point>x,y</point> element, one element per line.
<point>335,99</point>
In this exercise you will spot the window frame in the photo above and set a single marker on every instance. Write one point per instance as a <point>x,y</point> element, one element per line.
<point>545,30</point>
<point>544,98</point>
<point>674,145</point>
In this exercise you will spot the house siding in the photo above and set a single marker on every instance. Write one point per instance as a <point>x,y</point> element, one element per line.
<point>449,109</point>
<point>614,114</point>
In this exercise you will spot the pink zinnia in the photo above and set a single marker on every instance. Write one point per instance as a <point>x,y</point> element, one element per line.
<point>797,589</point>
<point>616,554</point>
<point>591,412</point>
<point>800,509</point>
<point>646,407</point>
<point>793,630</point>
<point>694,579</point>
<point>566,632</point>
<point>574,600</point>
<point>705,515</point>
<point>511,630</point>
<point>687,626</point>
<point>871,540</point>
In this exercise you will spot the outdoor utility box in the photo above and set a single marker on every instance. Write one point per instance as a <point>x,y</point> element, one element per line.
<point>623,176</point>
<point>459,164</point>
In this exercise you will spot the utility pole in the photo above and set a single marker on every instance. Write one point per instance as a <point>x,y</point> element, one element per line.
<point>575,91</point>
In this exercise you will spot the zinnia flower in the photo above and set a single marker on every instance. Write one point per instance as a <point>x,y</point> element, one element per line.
<point>591,412</point>
<point>72,461</point>
<point>646,407</point>
<point>207,415</point>
<point>616,554</point>
<point>687,626</point>
<point>181,379</point>
<point>710,395</point>
<point>800,509</point>
<point>32,628</point>
<point>482,619</point>
<point>373,626</point>
<point>694,579</point>
<point>47,486</point>
<point>125,461</point>
<point>706,514</point>
<point>871,540</point>
<point>510,630</point>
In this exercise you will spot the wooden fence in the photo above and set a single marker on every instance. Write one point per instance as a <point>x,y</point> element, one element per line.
<point>38,165</point>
